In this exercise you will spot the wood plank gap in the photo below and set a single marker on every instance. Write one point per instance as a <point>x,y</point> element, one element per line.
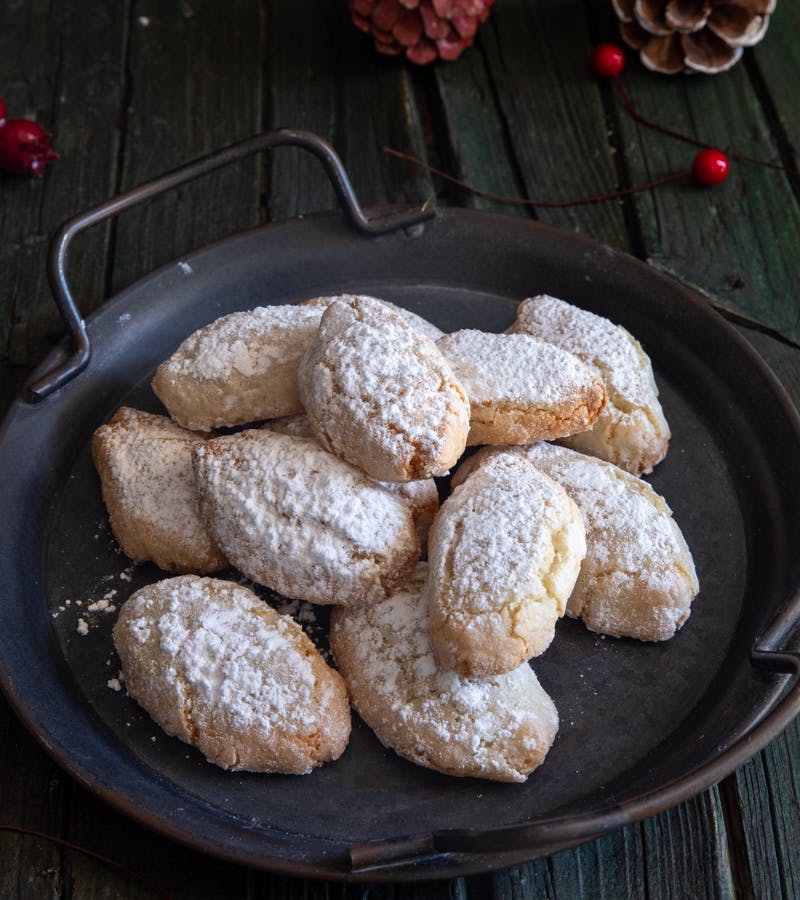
<point>613,111</point>
<point>126,95</point>
<point>265,169</point>
<point>737,843</point>
<point>516,167</point>
<point>780,137</point>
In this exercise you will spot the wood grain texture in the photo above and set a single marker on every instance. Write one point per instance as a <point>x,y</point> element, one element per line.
<point>324,76</point>
<point>196,87</point>
<point>736,241</point>
<point>45,75</point>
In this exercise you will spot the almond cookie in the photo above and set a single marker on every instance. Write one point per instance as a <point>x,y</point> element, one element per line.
<point>301,521</point>
<point>423,325</point>
<point>422,496</point>
<point>505,550</point>
<point>241,368</point>
<point>498,728</point>
<point>638,579</point>
<point>145,467</point>
<point>381,395</point>
<point>218,668</point>
<point>521,389</point>
<point>631,431</point>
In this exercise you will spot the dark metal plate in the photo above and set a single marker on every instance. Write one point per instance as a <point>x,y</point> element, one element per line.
<point>642,726</point>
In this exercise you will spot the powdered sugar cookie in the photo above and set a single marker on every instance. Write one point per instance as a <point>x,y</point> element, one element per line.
<point>505,550</point>
<point>498,728</point>
<point>631,431</point>
<point>422,325</point>
<point>521,389</point>
<point>638,579</point>
<point>241,368</point>
<point>221,670</point>
<point>145,467</point>
<point>422,496</point>
<point>381,395</point>
<point>298,519</point>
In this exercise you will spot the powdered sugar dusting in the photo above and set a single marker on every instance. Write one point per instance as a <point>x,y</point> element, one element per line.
<point>514,368</point>
<point>240,659</point>
<point>457,724</point>
<point>245,342</point>
<point>287,511</point>
<point>372,381</point>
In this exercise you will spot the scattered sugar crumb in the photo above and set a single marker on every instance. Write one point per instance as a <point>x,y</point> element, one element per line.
<point>83,627</point>
<point>114,684</point>
<point>125,317</point>
<point>185,268</point>
<point>144,21</point>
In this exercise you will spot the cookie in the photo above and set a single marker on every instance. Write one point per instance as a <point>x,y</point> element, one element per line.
<point>242,368</point>
<point>498,728</point>
<point>422,496</point>
<point>422,325</point>
<point>145,466</point>
<point>505,550</point>
<point>294,517</point>
<point>381,395</point>
<point>216,667</point>
<point>631,431</point>
<point>521,389</point>
<point>638,578</point>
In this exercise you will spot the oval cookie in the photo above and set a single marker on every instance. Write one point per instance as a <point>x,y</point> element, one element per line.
<point>298,519</point>
<point>218,668</point>
<point>381,395</point>
<point>521,389</point>
<point>638,578</point>
<point>498,728</point>
<point>505,549</point>
<point>631,431</point>
<point>241,368</point>
<point>145,467</point>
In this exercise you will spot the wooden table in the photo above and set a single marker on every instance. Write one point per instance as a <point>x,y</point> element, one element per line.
<point>134,87</point>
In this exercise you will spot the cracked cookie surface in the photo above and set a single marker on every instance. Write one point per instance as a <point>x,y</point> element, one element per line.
<point>631,431</point>
<point>380,394</point>
<point>522,389</point>
<point>638,578</point>
<point>294,517</point>
<point>145,466</point>
<point>498,728</point>
<point>218,668</point>
<point>505,550</point>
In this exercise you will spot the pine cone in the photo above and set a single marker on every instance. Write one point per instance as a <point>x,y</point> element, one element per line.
<point>692,35</point>
<point>424,30</point>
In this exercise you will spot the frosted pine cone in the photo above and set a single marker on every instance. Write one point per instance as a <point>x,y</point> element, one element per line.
<point>424,30</point>
<point>692,35</point>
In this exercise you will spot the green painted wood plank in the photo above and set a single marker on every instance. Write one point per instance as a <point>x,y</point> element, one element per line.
<point>553,113</point>
<point>66,70</point>
<point>777,60</point>
<point>681,853</point>
<point>196,87</point>
<point>474,145</point>
<point>738,240</point>
<point>373,103</point>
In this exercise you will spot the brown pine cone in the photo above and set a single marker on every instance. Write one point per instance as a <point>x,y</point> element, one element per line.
<point>692,35</point>
<point>424,30</point>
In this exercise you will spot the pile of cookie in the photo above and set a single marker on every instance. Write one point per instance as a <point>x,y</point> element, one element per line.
<point>338,416</point>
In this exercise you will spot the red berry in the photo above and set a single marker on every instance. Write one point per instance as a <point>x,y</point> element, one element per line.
<point>24,147</point>
<point>710,167</point>
<point>608,60</point>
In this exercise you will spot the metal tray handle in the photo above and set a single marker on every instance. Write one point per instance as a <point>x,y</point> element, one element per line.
<point>51,381</point>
